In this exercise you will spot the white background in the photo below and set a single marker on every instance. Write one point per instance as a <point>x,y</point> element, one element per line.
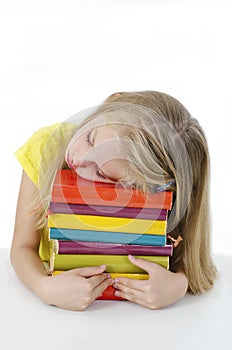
<point>60,57</point>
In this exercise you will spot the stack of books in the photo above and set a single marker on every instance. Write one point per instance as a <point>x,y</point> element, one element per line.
<point>96,223</point>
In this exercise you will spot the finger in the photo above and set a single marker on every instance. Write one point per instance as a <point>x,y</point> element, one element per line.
<point>97,280</point>
<point>134,294</point>
<point>89,270</point>
<point>134,298</point>
<point>146,265</point>
<point>98,290</point>
<point>130,283</point>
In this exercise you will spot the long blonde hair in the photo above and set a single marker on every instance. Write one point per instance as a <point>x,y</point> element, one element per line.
<point>182,154</point>
<point>165,144</point>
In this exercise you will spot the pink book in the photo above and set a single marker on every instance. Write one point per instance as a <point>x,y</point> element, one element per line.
<point>75,247</point>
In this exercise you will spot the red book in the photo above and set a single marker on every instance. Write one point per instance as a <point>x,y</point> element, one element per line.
<point>68,187</point>
<point>108,294</point>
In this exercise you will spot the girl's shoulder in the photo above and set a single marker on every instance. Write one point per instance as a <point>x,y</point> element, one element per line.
<point>44,140</point>
<point>43,134</point>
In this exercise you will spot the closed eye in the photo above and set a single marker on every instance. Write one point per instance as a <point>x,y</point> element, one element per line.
<point>91,136</point>
<point>88,138</point>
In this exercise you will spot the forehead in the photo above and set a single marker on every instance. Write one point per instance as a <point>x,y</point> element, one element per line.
<point>107,144</point>
<point>108,152</point>
<point>105,132</point>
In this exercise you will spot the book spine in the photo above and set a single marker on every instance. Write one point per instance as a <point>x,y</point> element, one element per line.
<point>70,247</point>
<point>105,236</point>
<point>99,210</point>
<point>138,276</point>
<point>102,223</point>
<point>122,197</point>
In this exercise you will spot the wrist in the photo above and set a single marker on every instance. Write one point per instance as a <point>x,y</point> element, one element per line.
<point>43,288</point>
<point>182,283</point>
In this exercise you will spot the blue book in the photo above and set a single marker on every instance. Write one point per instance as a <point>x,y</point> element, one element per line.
<point>105,236</point>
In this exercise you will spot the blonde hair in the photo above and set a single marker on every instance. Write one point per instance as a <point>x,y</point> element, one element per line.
<point>182,154</point>
<point>164,143</point>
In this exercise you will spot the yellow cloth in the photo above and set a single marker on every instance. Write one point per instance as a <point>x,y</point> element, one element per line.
<point>30,154</point>
<point>37,155</point>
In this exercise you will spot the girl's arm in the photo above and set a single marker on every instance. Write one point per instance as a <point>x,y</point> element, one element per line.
<point>161,289</point>
<point>75,289</point>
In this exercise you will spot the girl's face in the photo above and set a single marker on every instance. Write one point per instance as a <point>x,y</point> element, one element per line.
<point>95,154</point>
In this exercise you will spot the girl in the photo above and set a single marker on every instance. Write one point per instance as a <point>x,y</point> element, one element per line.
<point>141,140</point>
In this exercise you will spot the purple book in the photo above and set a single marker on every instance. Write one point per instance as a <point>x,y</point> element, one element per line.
<point>99,210</point>
<point>74,247</point>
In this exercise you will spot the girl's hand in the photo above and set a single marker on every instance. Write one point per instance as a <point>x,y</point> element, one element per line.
<point>161,289</point>
<point>75,289</point>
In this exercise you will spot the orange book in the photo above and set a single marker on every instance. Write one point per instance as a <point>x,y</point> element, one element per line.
<point>68,187</point>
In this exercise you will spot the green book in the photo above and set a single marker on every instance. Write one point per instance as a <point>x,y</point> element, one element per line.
<point>114,263</point>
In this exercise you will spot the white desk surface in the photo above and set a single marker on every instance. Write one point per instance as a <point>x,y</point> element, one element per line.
<point>195,322</point>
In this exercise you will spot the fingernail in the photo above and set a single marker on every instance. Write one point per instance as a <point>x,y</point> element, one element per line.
<point>117,293</point>
<point>116,280</point>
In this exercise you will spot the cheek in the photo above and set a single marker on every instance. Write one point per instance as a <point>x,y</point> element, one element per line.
<point>77,145</point>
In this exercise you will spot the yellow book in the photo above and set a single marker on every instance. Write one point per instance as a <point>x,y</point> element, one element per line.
<point>114,263</point>
<point>104,223</point>
<point>136,276</point>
